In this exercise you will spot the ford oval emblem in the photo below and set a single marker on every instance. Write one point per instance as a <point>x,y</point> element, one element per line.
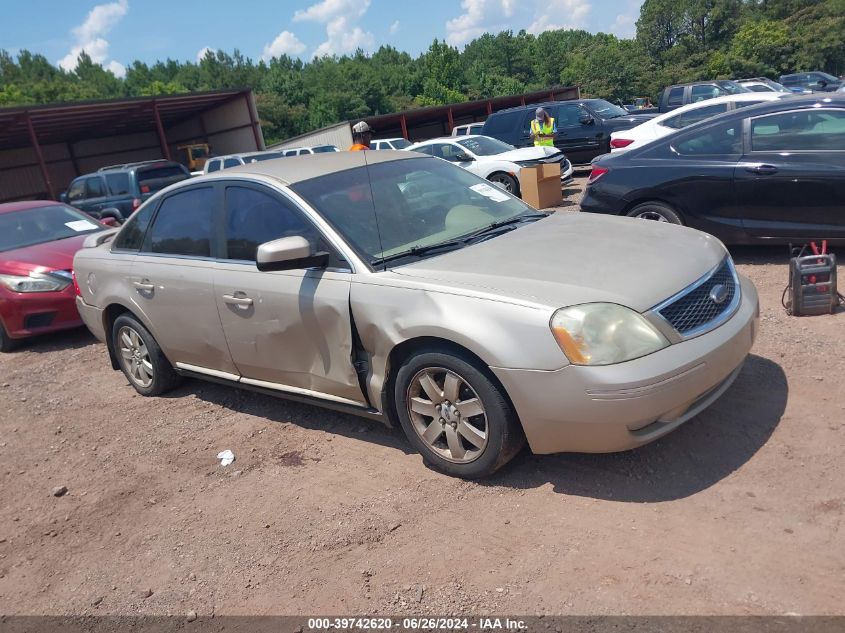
<point>718,294</point>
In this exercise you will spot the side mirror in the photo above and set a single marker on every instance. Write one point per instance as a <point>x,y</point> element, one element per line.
<point>463,157</point>
<point>289,253</point>
<point>63,197</point>
<point>586,120</point>
<point>112,214</point>
<point>823,83</point>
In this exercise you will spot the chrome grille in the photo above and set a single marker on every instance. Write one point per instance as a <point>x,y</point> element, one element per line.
<point>696,310</point>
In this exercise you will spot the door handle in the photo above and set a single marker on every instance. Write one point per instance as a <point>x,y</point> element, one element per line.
<point>763,170</point>
<point>144,286</point>
<point>243,302</point>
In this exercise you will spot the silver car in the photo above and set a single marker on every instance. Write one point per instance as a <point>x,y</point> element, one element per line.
<point>405,289</point>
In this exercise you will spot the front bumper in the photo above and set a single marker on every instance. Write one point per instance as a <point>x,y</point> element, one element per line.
<point>619,407</point>
<point>25,314</point>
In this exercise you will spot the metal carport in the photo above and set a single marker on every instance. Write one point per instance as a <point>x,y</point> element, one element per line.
<point>43,148</point>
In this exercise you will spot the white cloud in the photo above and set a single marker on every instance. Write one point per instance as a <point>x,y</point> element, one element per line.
<point>201,53</point>
<point>343,35</point>
<point>536,16</point>
<point>286,43</point>
<point>394,27</point>
<point>89,37</point>
<point>624,26</point>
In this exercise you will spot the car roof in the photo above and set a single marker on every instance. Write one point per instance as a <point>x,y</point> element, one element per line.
<point>299,168</point>
<point>248,154</point>
<point>24,205</point>
<point>392,138</point>
<point>544,104</point>
<point>740,96</point>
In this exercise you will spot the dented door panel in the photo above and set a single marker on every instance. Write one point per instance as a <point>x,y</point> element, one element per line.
<point>291,328</point>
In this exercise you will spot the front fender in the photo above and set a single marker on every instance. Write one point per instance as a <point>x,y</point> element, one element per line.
<point>500,333</point>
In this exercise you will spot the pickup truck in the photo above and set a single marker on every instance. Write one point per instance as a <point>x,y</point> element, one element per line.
<point>679,95</point>
<point>583,126</point>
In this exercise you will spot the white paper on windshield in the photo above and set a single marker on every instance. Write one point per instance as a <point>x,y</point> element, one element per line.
<point>80,225</point>
<point>488,191</point>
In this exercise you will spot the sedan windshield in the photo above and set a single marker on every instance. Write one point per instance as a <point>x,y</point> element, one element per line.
<point>485,146</point>
<point>20,229</point>
<point>404,206</point>
<point>607,110</point>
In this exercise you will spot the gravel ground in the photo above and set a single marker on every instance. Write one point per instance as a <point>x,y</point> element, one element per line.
<point>740,511</point>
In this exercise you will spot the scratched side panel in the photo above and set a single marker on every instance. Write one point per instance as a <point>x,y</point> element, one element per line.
<point>501,334</point>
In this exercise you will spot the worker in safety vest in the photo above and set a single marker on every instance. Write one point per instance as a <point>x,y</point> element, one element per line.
<point>543,129</point>
<point>362,134</point>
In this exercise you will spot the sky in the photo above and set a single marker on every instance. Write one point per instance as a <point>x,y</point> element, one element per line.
<point>117,32</point>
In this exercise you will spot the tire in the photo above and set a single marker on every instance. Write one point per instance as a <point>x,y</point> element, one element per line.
<point>141,359</point>
<point>506,181</point>
<point>656,211</point>
<point>7,343</point>
<point>468,446</point>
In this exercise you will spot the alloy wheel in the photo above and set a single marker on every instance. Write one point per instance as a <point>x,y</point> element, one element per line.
<point>652,215</point>
<point>505,182</point>
<point>135,357</point>
<point>447,414</point>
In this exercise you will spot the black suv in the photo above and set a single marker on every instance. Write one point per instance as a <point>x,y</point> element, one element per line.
<point>816,81</point>
<point>122,187</point>
<point>583,126</point>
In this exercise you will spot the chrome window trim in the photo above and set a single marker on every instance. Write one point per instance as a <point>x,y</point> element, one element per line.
<point>733,306</point>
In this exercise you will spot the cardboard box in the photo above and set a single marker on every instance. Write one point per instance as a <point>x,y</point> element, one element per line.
<point>540,185</point>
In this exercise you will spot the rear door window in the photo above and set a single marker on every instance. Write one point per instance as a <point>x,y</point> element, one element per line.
<point>724,139</point>
<point>231,162</point>
<point>95,188</point>
<point>182,225</point>
<point>702,93</point>
<point>118,183</point>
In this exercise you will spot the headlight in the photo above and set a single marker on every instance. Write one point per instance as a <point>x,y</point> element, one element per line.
<point>604,334</point>
<point>34,283</point>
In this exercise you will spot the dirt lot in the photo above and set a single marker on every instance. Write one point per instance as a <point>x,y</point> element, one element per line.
<point>739,511</point>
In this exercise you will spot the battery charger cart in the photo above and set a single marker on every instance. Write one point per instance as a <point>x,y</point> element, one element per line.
<point>812,282</point>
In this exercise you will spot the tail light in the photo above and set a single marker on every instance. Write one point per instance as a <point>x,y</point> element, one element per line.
<point>596,173</point>
<point>136,202</point>
<point>619,143</point>
<point>76,289</point>
<point>145,189</point>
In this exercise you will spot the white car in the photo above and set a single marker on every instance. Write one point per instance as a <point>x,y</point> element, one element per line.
<point>390,143</point>
<point>467,128</point>
<point>669,122</point>
<point>300,151</point>
<point>492,159</point>
<point>217,163</point>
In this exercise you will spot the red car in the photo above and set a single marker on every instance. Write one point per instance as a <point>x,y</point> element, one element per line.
<point>38,240</point>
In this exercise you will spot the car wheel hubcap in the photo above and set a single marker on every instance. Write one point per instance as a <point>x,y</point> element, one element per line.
<point>503,182</point>
<point>135,357</point>
<point>652,215</point>
<point>447,414</point>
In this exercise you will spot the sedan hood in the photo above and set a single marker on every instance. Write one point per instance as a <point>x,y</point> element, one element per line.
<point>56,255</point>
<point>527,153</point>
<point>568,259</point>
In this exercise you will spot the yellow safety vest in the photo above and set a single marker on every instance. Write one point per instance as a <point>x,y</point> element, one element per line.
<point>543,130</point>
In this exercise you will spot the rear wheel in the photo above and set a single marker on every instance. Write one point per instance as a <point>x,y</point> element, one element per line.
<point>455,415</point>
<point>141,359</point>
<point>505,181</point>
<point>657,211</point>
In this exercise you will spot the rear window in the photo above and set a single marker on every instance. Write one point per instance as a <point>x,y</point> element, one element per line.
<point>152,179</point>
<point>503,122</point>
<point>324,148</point>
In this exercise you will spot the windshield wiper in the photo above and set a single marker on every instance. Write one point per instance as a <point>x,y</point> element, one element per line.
<point>495,226</point>
<point>419,251</point>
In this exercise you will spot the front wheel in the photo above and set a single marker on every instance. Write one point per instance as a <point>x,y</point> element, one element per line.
<point>141,359</point>
<point>455,415</point>
<point>7,343</point>
<point>657,211</point>
<point>505,181</point>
